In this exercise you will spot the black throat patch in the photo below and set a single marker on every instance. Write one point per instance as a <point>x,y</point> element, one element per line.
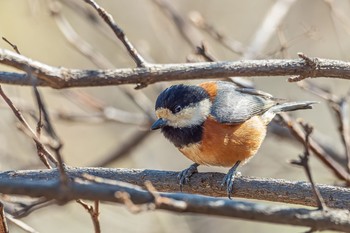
<point>183,136</point>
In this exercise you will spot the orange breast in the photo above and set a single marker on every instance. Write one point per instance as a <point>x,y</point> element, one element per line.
<point>224,145</point>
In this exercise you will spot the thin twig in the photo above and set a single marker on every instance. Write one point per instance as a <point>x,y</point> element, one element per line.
<point>94,213</point>
<point>138,59</point>
<point>3,223</point>
<point>56,142</point>
<point>27,209</point>
<point>12,45</point>
<point>328,160</point>
<point>340,107</point>
<point>42,151</point>
<point>311,63</point>
<point>25,227</point>
<point>304,162</point>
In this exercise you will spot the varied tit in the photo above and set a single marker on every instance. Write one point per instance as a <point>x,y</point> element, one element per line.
<point>216,123</point>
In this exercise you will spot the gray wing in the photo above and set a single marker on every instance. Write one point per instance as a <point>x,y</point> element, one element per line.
<point>234,105</point>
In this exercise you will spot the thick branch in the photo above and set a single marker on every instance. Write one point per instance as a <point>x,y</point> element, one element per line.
<point>60,77</point>
<point>45,183</point>
<point>42,183</point>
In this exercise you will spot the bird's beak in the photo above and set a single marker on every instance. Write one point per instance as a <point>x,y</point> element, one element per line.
<point>158,124</point>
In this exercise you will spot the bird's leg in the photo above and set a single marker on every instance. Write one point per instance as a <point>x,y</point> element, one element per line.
<point>229,178</point>
<point>184,176</point>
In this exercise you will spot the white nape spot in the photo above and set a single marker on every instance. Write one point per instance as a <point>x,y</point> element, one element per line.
<point>191,116</point>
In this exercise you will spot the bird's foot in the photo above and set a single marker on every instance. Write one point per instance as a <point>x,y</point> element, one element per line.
<point>229,178</point>
<point>184,176</point>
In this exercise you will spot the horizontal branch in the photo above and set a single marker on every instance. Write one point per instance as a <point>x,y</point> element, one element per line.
<point>60,77</point>
<point>45,183</point>
<point>35,182</point>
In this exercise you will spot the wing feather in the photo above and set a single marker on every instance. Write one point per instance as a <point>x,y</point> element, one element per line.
<point>234,105</point>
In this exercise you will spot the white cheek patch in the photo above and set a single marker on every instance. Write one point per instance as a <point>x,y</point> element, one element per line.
<point>191,116</point>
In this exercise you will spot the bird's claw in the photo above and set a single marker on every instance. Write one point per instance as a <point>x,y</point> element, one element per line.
<point>230,178</point>
<point>228,181</point>
<point>184,176</point>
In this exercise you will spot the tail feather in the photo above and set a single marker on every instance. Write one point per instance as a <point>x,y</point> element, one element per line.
<point>286,107</point>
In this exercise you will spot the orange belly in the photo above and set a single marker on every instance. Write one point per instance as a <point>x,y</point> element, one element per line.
<point>224,145</point>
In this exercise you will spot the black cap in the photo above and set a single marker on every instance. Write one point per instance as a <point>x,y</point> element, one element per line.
<point>180,95</point>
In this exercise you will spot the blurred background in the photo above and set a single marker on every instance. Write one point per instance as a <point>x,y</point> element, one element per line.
<point>95,124</point>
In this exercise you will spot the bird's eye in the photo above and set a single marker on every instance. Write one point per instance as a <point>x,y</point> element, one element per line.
<point>177,109</point>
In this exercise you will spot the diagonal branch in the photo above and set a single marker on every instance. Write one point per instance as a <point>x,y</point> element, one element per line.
<point>336,167</point>
<point>139,60</point>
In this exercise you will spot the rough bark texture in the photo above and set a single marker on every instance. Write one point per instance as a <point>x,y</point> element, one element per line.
<point>60,77</point>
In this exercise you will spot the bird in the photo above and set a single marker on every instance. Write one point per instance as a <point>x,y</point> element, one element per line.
<point>216,123</point>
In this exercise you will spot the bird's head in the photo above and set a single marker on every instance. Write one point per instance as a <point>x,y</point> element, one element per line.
<point>182,106</point>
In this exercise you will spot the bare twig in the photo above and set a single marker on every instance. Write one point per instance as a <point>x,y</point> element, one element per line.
<point>331,163</point>
<point>12,45</point>
<point>202,50</point>
<point>56,143</point>
<point>139,60</point>
<point>42,151</point>
<point>39,124</point>
<point>340,106</point>
<point>3,223</point>
<point>27,209</point>
<point>94,213</point>
<point>25,227</point>
<point>304,162</point>
<point>125,198</point>
<point>311,63</point>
